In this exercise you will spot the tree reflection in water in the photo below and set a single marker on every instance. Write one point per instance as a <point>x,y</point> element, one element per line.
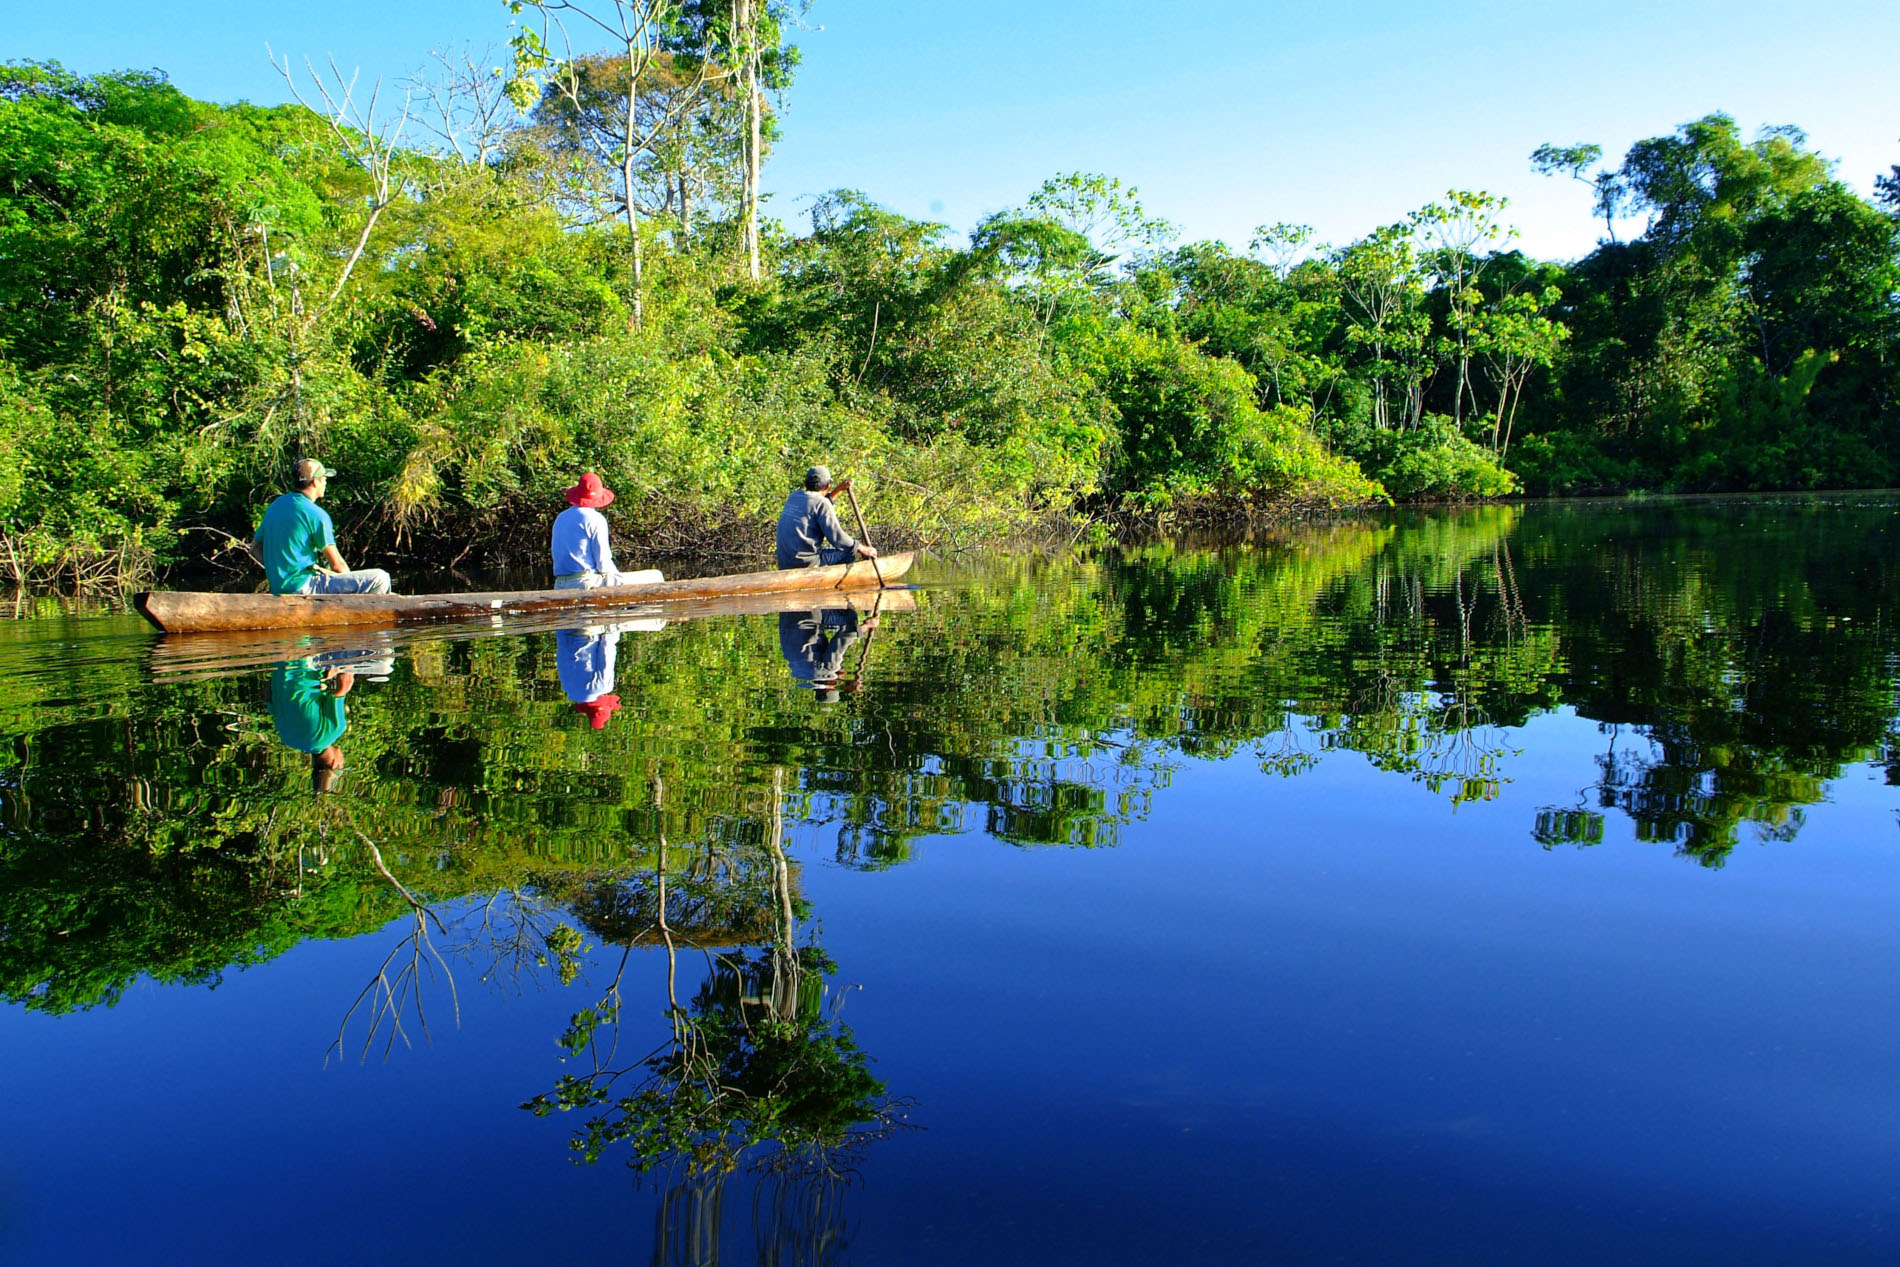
<point>758,1068</point>
<point>412,963</point>
<point>756,1071</point>
<point>1736,659</point>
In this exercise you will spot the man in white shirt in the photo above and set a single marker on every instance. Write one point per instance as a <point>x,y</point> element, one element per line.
<point>582,558</point>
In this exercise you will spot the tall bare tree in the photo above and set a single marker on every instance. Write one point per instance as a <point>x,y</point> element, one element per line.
<point>368,139</point>
<point>692,158</point>
<point>745,24</point>
<point>745,41</point>
<point>465,104</point>
<point>636,31</point>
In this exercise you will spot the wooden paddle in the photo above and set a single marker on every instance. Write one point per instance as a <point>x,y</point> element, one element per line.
<point>864,652</point>
<point>864,534</point>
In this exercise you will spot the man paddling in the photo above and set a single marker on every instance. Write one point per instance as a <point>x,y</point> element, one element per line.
<point>809,533</point>
<point>297,532</point>
<point>582,558</point>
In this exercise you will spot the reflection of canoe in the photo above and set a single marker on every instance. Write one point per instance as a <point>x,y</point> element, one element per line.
<point>186,612</point>
<point>218,653</point>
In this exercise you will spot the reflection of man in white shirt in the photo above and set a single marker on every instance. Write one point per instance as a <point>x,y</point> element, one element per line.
<point>582,558</point>
<point>584,661</point>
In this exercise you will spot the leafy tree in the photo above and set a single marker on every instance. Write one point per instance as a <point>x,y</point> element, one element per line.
<point>1457,229</point>
<point>1572,161</point>
<point>1516,339</point>
<point>623,110</point>
<point>1383,285</point>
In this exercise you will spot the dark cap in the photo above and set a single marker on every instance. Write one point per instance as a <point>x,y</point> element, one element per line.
<point>818,478</point>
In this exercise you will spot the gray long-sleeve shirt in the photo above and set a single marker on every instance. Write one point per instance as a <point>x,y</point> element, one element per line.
<point>808,525</point>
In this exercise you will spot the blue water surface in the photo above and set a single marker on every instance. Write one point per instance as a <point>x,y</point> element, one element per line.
<point>1132,997</point>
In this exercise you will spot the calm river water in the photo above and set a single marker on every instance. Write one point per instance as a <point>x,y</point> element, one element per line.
<point>1519,884</point>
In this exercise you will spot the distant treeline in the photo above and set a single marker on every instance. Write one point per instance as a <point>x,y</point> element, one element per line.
<point>464,304</point>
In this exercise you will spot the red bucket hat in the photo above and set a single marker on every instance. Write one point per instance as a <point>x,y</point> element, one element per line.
<point>597,711</point>
<point>590,492</point>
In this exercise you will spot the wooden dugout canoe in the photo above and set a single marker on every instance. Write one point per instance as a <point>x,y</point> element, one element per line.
<point>220,653</point>
<point>184,611</point>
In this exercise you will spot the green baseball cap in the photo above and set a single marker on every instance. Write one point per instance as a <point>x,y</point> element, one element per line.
<point>308,470</point>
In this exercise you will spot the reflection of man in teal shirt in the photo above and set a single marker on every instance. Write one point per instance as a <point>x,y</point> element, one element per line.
<point>306,703</point>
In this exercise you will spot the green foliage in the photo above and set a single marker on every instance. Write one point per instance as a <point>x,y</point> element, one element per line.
<point>1433,462</point>
<point>757,1059</point>
<point>1746,341</point>
<point>1190,426</point>
<point>183,312</point>
<point>179,324</point>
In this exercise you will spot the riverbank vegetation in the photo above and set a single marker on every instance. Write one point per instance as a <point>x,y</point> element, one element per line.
<point>473,286</point>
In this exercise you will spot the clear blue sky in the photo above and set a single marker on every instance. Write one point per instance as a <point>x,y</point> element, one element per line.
<point>1226,114</point>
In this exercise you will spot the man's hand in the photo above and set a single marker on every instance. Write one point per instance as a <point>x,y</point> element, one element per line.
<point>335,559</point>
<point>842,486</point>
<point>339,685</point>
<point>867,552</point>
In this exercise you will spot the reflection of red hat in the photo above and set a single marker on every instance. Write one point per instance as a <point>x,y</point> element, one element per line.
<point>590,492</point>
<point>597,711</point>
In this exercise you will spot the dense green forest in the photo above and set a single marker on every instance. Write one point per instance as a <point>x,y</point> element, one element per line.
<point>465,289</point>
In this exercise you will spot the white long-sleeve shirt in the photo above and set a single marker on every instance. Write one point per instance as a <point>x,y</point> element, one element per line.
<point>580,542</point>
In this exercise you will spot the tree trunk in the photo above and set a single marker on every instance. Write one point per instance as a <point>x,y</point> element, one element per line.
<point>745,23</point>
<point>633,234</point>
<point>1464,378</point>
<point>1511,422</point>
<point>1504,397</point>
<point>754,108</point>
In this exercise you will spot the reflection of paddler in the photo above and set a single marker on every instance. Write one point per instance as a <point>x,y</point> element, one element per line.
<point>813,644</point>
<point>584,659</point>
<point>306,704</point>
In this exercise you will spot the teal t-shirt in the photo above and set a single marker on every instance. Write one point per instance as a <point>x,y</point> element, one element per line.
<point>308,718</point>
<point>291,538</point>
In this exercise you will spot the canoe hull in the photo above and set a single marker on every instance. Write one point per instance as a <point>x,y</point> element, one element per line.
<point>183,611</point>
<point>214,653</point>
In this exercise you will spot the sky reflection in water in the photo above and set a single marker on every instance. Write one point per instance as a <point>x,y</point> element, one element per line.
<point>1513,884</point>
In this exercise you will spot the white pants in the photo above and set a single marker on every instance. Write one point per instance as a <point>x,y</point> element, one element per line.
<point>596,580</point>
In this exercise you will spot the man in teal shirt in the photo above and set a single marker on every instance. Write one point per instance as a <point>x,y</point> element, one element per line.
<point>297,533</point>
